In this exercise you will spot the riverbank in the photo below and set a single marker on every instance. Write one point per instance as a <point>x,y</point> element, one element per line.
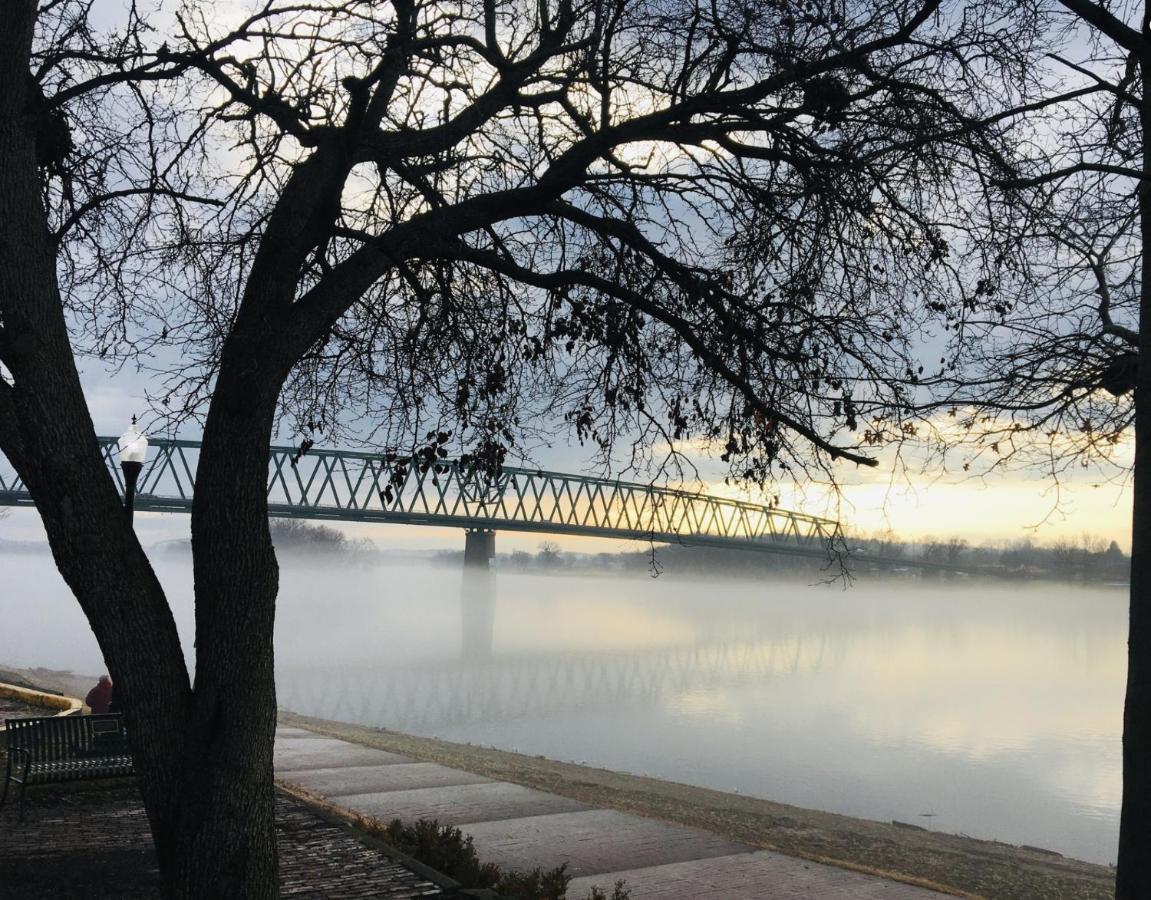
<point>52,681</point>
<point>966,866</point>
<point>605,852</point>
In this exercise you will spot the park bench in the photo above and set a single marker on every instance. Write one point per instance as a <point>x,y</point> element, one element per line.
<point>65,748</point>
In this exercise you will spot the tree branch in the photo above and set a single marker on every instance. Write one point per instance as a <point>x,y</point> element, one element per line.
<point>683,328</point>
<point>1098,16</point>
<point>99,201</point>
<point>1066,172</point>
<point>1119,90</point>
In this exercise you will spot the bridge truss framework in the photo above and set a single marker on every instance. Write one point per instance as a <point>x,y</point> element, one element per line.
<point>371,487</point>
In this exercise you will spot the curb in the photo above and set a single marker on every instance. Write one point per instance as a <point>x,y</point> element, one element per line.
<point>352,821</point>
<point>66,705</point>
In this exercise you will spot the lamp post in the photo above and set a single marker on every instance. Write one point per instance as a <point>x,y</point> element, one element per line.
<point>133,452</point>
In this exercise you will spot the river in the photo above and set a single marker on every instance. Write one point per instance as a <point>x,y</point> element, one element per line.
<point>993,710</point>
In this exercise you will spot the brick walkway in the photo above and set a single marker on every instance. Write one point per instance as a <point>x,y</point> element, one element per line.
<point>520,828</point>
<point>94,844</point>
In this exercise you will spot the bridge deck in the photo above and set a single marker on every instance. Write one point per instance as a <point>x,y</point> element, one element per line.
<point>371,487</point>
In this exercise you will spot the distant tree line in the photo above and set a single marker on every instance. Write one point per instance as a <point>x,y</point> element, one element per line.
<point>301,538</point>
<point>548,558</point>
<point>1083,558</point>
<point>1086,558</point>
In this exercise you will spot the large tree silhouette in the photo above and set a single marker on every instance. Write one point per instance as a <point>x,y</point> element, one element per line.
<point>1055,367</point>
<point>654,218</point>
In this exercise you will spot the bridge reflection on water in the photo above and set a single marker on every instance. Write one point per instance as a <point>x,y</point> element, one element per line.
<point>479,685</point>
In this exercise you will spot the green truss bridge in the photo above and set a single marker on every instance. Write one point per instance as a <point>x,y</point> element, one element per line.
<point>353,486</point>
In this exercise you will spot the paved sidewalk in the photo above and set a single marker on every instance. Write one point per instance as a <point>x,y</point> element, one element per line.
<point>520,828</point>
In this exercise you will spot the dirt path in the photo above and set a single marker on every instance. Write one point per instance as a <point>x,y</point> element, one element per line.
<point>963,865</point>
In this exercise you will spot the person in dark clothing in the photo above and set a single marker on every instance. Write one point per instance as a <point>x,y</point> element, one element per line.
<point>100,697</point>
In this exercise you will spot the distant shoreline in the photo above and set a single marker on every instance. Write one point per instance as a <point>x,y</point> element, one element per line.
<point>578,568</point>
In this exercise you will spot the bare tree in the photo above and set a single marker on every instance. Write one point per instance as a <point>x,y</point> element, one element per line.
<point>298,534</point>
<point>1055,367</point>
<point>453,218</point>
<point>549,555</point>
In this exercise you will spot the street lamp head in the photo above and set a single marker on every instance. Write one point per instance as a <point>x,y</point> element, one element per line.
<point>133,445</point>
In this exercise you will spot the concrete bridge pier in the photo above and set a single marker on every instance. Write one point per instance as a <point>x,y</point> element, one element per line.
<point>479,548</point>
<point>478,595</point>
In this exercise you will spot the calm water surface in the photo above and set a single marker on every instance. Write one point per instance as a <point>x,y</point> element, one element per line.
<point>993,711</point>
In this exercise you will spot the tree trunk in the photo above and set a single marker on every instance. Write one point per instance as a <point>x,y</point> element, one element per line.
<point>47,434</point>
<point>204,756</point>
<point>224,843</point>
<point>1133,874</point>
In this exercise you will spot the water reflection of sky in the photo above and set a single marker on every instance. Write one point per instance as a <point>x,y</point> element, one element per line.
<point>992,711</point>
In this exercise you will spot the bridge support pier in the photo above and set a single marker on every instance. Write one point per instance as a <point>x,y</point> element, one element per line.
<point>478,595</point>
<point>479,548</point>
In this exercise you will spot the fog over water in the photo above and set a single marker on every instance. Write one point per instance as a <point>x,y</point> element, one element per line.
<point>993,710</point>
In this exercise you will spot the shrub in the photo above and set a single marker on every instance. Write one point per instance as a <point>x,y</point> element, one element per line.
<point>445,848</point>
<point>448,850</point>
<point>534,885</point>
<point>619,892</point>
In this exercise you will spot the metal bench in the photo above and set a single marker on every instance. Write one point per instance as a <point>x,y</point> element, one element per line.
<point>65,748</point>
